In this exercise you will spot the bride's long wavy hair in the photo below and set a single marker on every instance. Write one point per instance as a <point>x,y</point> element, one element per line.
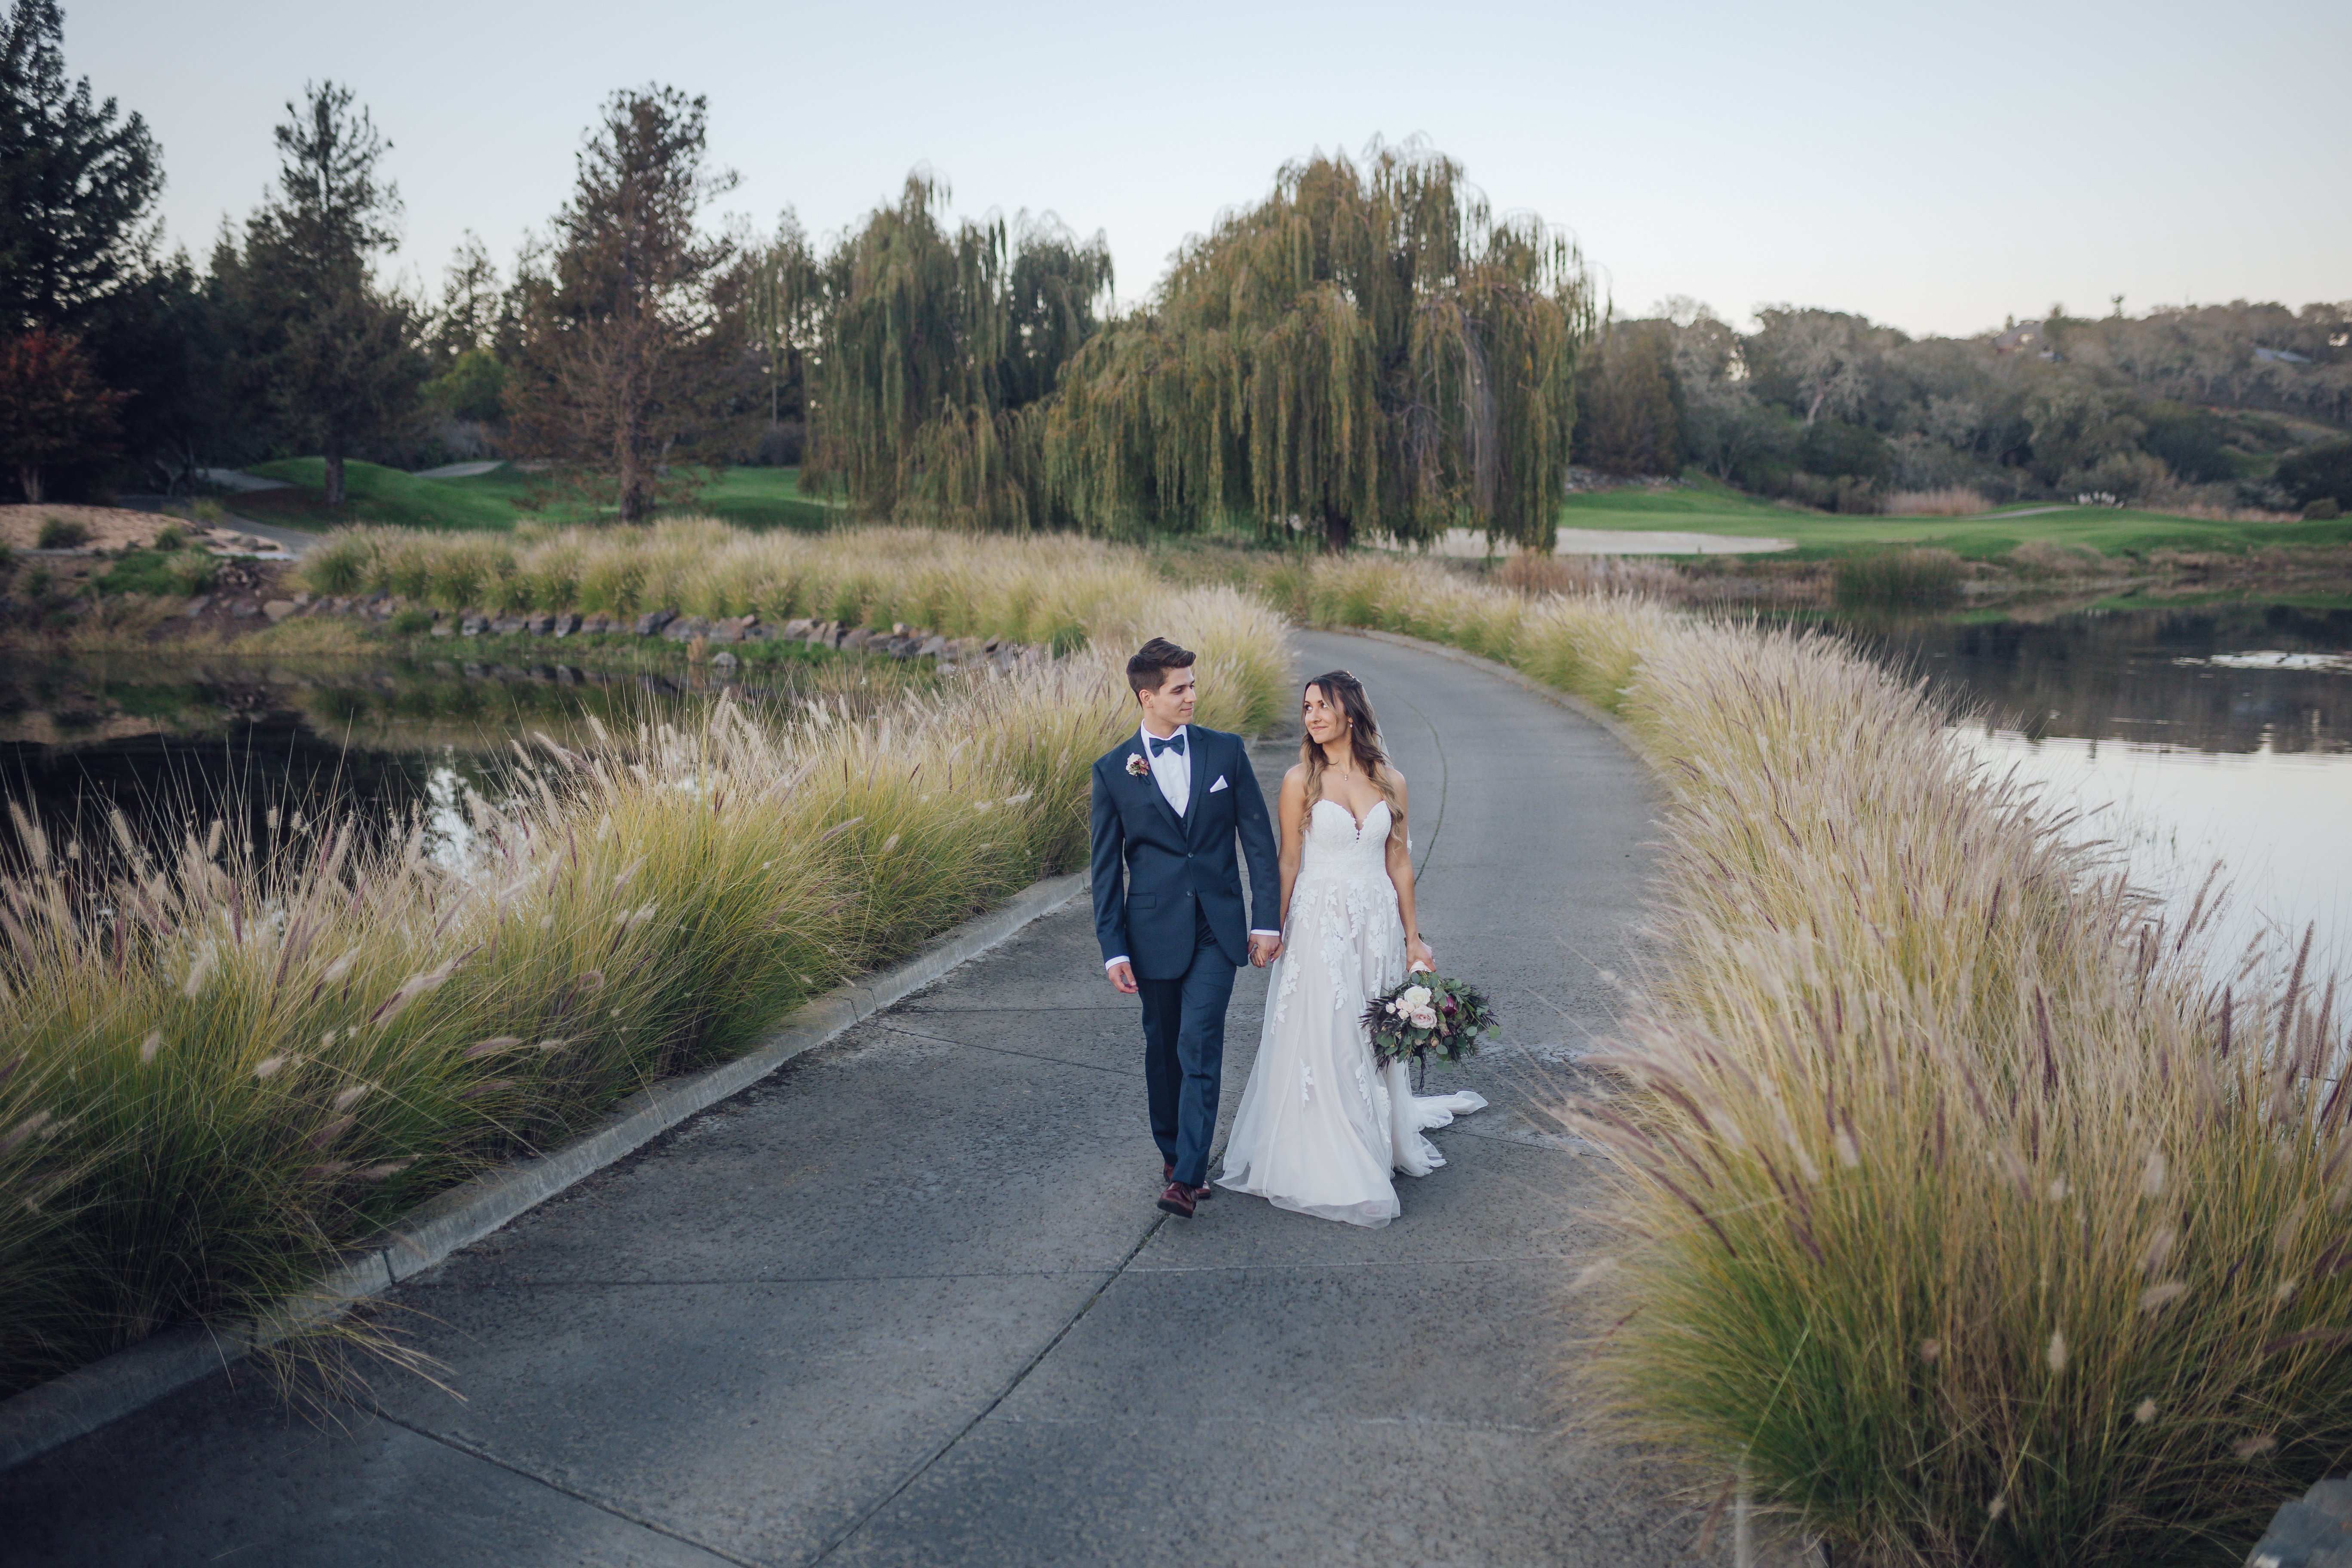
<point>1346,693</point>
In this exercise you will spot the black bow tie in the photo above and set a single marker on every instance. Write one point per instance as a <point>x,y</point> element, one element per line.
<point>1174,742</point>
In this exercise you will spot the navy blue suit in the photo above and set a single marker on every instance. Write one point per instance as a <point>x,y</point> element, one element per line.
<point>1168,894</point>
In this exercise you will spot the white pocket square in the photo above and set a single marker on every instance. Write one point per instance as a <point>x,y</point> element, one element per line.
<point>1218,785</point>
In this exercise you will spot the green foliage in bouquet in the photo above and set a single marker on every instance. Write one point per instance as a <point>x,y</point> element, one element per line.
<point>1429,1015</point>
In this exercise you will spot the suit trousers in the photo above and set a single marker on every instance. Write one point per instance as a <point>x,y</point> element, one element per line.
<point>1185,1055</point>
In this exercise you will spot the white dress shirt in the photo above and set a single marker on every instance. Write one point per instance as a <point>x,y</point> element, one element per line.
<point>1172,771</point>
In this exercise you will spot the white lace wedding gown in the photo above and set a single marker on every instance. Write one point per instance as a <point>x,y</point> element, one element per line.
<point>1321,1126</point>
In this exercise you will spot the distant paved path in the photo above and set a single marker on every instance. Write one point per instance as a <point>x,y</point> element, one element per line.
<point>908,1302</point>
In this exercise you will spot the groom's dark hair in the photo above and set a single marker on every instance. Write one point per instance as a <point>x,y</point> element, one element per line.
<point>1148,670</point>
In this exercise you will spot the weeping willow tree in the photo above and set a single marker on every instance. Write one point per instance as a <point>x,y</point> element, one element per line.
<point>1367,349</point>
<point>782,296</point>
<point>939,352</point>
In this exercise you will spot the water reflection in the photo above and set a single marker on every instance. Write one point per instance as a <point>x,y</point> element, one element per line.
<point>174,744</point>
<point>2184,736</point>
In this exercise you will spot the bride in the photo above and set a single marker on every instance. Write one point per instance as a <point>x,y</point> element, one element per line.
<point>1321,1125</point>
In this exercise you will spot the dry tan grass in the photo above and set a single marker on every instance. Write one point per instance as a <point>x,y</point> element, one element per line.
<point>1955,1207</point>
<point>110,528</point>
<point>1952,501</point>
<point>217,1069</point>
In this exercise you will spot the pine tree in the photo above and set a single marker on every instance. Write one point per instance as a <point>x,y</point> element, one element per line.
<point>77,182</point>
<point>333,357</point>
<point>1365,350</point>
<point>631,326</point>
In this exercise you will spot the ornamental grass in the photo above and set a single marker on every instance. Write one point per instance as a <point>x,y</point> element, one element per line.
<point>221,1068</point>
<point>1955,1207</point>
<point>1048,589</point>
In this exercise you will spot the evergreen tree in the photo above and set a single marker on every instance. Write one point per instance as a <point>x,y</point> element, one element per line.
<point>332,357</point>
<point>939,352</point>
<point>77,182</point>
<point>1365,350</point>
<point>631,326</point>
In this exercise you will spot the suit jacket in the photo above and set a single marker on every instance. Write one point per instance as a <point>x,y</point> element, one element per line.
<point>1179,867</point>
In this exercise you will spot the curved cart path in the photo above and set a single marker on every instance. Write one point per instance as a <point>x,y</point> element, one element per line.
<point>908,1302</point>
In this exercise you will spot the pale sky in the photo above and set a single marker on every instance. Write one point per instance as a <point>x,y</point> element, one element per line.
<point>1935,167</point>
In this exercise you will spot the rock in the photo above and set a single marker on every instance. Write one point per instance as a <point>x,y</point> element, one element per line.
<point>798,630</point>
<point>197,605</point>
<point>856,637</point>
<point>443,630</point>
<point>758,634</point>
<point>539,626</point>
<point>935,647</point>
<point>301,601</point>
<point>722,659</point>
<point>565,626</point>
<point>2316,1532</point>
<point>653,621</point>
<point>596,624</point>
<point>686,629</point>
<point>727,631</point>
<point>507,626</point>
<point>474,625</point>
<point>243,607</point>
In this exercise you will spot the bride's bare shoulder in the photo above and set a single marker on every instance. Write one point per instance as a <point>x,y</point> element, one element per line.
<point>1294,780</point>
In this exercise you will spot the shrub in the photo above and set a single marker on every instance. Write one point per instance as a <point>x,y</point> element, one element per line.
<point>209,512</point>
<point>2321,471</point>
<point>139,571</point>
<point>192,572</point>
<point>412,622</point>
<point>2323,510</point>
<point>61,533</point>
<point>1891,579</point>
<point>171,537</point>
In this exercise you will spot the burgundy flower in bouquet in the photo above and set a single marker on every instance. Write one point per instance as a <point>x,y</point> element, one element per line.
<point>1429,1015</point>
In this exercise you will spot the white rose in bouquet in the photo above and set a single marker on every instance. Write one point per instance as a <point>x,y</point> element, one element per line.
<point>1425,1018</point>
<point>1415,999</point>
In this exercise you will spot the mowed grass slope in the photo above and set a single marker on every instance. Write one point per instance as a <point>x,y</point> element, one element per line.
<point>749,498</point>
<point>2107,530</point>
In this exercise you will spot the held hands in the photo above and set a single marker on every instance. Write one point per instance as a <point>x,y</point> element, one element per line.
<point>1265,949</point>
<point>1122,977</point>
<point>1418,956</point>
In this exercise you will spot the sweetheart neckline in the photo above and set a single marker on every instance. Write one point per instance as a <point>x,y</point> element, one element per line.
<point>1358,822</point>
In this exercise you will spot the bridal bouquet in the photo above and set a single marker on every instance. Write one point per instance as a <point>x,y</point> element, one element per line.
<point>1429,1015</point>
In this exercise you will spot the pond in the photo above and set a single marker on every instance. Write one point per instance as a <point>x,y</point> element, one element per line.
<point>2185,736</point>
<point>175,743</point>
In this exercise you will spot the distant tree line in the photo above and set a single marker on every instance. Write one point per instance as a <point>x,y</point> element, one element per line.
<point>1367,349</point>
<point>2182,404</point>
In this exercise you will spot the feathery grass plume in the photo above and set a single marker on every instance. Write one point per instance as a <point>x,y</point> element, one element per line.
<point>220,1071</point>
<point>1869,934</point>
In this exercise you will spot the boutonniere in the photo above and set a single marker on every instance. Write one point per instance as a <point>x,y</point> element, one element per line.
<point>1136,767</point>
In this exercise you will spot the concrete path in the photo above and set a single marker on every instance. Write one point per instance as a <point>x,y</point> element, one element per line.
<point>908,1302</point>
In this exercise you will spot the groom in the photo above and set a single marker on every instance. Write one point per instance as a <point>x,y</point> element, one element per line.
<point>1168,802</point>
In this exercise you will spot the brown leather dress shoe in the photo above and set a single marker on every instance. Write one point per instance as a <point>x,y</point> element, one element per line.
<point>1168,1173</point>
<point>1178,1200</point>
